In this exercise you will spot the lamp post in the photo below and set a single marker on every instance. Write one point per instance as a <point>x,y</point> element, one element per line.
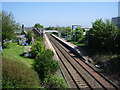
<point>74,33</point>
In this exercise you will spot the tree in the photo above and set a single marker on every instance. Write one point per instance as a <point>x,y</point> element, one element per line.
<point>8,26</point>
<point>111,32</point>
<point>79,34</point>
<point>30,35</point>
<point>44,65</point>
<point>38,47</point>
<point>50,28</point>
<point>69,30</point>
<point>37,25</point>
<point>103,34</point>
<point>95,35</point>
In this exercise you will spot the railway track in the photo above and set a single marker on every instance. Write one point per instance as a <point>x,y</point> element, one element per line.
<point>78,73</point>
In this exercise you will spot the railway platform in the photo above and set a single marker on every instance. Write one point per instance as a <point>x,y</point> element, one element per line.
<point>49,46</point>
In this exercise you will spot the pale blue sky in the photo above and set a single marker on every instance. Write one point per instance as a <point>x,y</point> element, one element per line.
<point>60,13</point>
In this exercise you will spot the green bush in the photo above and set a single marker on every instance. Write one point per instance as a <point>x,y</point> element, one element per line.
<point>29,36</point>
<point>79,34</point>
<point>49,53</point>
<point>44,64</point>
<point>40,39</point>
<point>18,75</point>
<point>55,82</point>
<point>103,35</point>
<point>37,48</point>
<point>6,45</point>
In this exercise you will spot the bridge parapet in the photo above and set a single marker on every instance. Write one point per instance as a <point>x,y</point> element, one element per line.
<point>50,31</point>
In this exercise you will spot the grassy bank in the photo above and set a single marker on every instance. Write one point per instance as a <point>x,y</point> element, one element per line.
<point>22,72</point>
<point>13,52</point>
<point>16,70</point>
<point>77,43</point>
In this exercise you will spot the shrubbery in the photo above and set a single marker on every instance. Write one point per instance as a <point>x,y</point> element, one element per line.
<point>6,45</point>
<point>45,66</point>
<point>79,34</point>
<point>18,75</point>
<point>38,47</point>
<point>41,39</point>
<point>29,36</point>
<point>104,35</point>
<point>55,82</point>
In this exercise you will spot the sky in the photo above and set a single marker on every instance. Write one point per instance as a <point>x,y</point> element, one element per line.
<point>60,13</point>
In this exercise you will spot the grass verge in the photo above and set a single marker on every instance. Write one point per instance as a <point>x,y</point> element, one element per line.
<point>16,70</point>
<point>13,52</point>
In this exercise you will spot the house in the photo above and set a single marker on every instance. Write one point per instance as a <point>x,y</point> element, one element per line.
<point>116,21</point>
<point>21,35</point>
<point>38,31</point>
